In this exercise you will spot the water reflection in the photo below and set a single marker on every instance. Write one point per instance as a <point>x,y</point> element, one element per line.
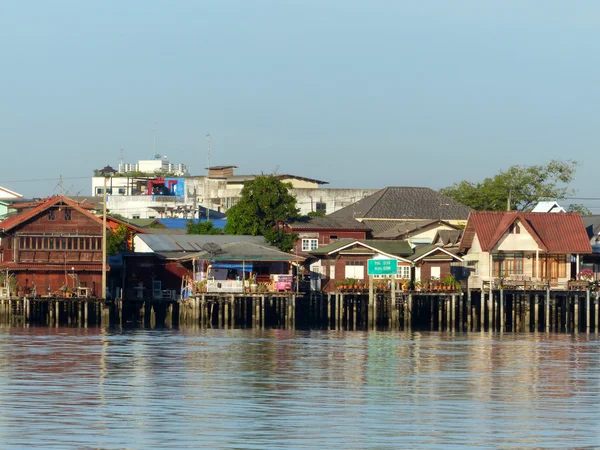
<point>97,388</point>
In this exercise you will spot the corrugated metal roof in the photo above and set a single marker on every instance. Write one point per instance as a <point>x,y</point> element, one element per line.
<point>160,243</point>
<point>244,251</point>
<point>554,232</point>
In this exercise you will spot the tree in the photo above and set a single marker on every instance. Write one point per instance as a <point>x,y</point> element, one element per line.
<point>116,240</point>
<point>264,205</point>
<point>579,209</point>
<point>207,227</point>
<point>519,187</point>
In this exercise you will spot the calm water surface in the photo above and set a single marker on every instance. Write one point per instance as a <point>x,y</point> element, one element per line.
<point>269,389</point>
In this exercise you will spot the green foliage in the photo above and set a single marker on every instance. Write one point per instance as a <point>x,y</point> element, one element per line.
<point>116,240</point>
<point>207,227</point>
<point>579,209</point>
<point>521,186</point>
<point>13,284</point>
<point>264,204</point>
<point>316,214</point>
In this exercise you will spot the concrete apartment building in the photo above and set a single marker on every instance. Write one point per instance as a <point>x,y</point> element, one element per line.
<point>188,196</point>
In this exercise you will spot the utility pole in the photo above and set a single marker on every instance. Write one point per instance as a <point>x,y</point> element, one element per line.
<point>508,200</point>
<point>208,178</point>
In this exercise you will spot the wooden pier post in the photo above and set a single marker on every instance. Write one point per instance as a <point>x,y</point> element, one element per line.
<point>502,319</point>
<point>587,311</point>
<point>372,307</point>
<point>482,311</point>
<point>527,323</point>
<point>536,312</point>
<point>547,318</point>
<point>469,310</point>
<point>431,313</point>
<point>576,313</point>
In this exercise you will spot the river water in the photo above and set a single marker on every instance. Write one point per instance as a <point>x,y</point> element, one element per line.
<point>270,389</point>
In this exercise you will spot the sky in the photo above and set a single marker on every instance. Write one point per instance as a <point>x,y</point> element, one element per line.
<point>361,94</point>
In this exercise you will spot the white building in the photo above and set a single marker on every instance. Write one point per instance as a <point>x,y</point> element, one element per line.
<point>219,190</point>
<point>158,165</point>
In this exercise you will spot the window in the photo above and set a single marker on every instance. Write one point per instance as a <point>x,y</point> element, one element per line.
<point>355,269</point>
<point>507,264</point>
<point>321,207</point>
<point>514,229</point>
<point>309,244</point>
<point>333,237</point>
<point>404,272</point>
<point>51,215</point>
<point>67,214</point>
<point>135,216</point>
<point>435,272</point>
<point>473,267</point>
<point>99,191</point>
<point>121,191</point>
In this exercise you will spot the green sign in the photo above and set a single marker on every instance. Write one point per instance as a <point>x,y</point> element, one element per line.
<point>382,267</point>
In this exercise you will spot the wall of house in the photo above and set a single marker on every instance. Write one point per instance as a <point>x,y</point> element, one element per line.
<point>332,199</point>
<point>426,268</point>
<point>513,242</point>
<point>325,237</point>
<point>429,233</point>
<point>53,282</point>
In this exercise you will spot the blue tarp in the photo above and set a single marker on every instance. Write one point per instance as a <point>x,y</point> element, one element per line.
<point>176,223</point>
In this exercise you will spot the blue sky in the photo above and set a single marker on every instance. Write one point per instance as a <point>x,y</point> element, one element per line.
<point>362,94</point>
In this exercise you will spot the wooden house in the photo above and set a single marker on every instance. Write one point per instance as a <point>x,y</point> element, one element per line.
<point>513,247</point>
<point>166,265</point>
<point>347,259</point>
<point>53,245</point>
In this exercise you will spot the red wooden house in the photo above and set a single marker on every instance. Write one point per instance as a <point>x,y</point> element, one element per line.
<point>321,231</point>
<point>54,244</point>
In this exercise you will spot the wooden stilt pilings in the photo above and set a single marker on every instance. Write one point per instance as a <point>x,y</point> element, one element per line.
<point>506,310</point>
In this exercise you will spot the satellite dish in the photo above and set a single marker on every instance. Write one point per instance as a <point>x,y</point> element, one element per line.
<point>212,248</point>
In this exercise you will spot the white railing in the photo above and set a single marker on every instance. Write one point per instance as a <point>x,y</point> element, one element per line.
<point>230,286</point>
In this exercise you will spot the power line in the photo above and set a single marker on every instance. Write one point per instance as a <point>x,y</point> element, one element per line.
<point>44,179</point>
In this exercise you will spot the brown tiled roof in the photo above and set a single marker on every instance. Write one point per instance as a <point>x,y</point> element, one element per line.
<point>554,232</point>
<point>405,203</point>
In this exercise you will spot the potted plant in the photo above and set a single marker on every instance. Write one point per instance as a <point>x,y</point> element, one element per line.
<point>406,285</point>
<point>449,282</point>
<point>252,283</point>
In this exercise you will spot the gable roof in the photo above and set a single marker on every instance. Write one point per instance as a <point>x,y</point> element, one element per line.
<point>396,249</point>
<point>433,252</point>
<point>162,243</point>
<point>548,207</point>
<point>7,194</point>
<point>554,233</point>
<point>244,251</point>
<point>35,208</point>
<point>329,223</point>
<point>41,206</point>
<point>402,229</point>
<point>448,238</point>
<point>405,203</point>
